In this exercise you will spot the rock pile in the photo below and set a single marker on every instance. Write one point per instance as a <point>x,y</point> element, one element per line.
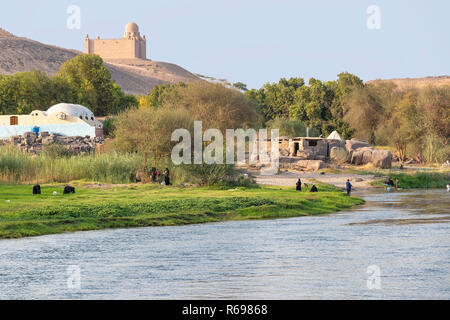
<point>359,153</point>
<point>342,152</point>
<point>33,143</point>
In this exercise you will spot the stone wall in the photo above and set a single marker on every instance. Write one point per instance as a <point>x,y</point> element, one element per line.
<point>117,48</point>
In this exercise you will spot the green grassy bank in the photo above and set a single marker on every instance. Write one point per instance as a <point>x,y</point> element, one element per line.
<point>22,214</point>
<point>419,180</point>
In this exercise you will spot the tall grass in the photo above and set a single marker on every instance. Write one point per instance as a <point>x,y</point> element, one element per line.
<point>20,167</point>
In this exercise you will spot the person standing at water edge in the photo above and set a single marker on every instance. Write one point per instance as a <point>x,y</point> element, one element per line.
<point>348,187</point>
<point>298,185</point>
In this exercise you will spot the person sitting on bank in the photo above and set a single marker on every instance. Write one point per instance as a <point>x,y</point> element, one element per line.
<point>298,185</point>
<point>348,187</point>
<point>314,189</point>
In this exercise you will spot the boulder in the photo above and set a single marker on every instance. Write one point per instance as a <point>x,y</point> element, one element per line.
<point>338,154</point>
<point>357,157</point>
<point>312,165</point>
<point>382,159</point>
<point>336,143</point>
<point>352,145</point>
<point>367,156</point>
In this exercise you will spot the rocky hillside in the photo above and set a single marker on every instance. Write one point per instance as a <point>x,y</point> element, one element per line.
<point>21,54</point>
<point>134,76</point>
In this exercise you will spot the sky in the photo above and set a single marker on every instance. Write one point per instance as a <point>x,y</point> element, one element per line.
<point>258,41</point>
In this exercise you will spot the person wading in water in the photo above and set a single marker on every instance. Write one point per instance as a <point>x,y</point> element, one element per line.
<point>348,187</point>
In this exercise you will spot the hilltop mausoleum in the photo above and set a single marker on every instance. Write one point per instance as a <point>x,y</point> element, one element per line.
<point>131,46</point>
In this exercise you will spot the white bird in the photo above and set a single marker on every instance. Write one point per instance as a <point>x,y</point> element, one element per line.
<point>55,193</point>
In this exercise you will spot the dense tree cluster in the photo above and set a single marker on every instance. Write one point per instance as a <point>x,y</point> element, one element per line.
<point>414,122</point>
<point>317,104</point>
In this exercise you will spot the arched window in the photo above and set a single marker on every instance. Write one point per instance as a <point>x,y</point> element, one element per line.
<point>14,121</point>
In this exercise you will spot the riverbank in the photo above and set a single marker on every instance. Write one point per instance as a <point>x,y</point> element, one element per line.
<point>361,178</point>
<point>419,180</point>
<point>94,208</point>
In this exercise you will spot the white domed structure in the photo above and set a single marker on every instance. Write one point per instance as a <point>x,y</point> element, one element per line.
<point>64,119</point>
<point>73,110</point>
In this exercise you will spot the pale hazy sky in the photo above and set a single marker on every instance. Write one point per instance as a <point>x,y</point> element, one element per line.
<point>256,41</point>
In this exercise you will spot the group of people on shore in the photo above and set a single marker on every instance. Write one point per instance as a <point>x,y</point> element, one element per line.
<point>155,176</point>
<point>348,186</point>
<point>299,186</point>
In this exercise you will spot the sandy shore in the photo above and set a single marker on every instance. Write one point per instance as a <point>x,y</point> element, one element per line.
<point>289,178</point>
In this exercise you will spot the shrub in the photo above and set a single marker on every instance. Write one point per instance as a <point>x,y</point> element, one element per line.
<point>109,125</point>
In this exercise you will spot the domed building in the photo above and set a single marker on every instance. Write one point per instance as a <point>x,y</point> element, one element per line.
<point>131,46</point>
<point>63,118</point>
<point>132,31</point>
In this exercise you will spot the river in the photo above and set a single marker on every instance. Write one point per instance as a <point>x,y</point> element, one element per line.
<point>396,246</point>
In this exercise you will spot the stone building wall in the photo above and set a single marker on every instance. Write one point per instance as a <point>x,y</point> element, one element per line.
<point>131,46</point>
<point>116,48</point>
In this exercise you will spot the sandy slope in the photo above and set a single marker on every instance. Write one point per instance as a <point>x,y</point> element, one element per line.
<point>408,83</point>
<point>137,76</point>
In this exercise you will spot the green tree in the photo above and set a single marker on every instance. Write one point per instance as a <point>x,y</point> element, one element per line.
<point>275,99</point>
<point>91,85</point>
<point>156,96</point>
<point>363,113</point>
<point>24,92</point>
<point>241,86</point>
<point>149,131</point>
<point>215,105</point>
<point>406,124</point>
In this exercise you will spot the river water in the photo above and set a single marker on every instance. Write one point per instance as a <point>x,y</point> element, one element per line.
<point>385,249</point>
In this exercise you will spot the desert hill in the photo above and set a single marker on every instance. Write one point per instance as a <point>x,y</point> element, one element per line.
<point>134,76</point>
<point>407,83</point>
